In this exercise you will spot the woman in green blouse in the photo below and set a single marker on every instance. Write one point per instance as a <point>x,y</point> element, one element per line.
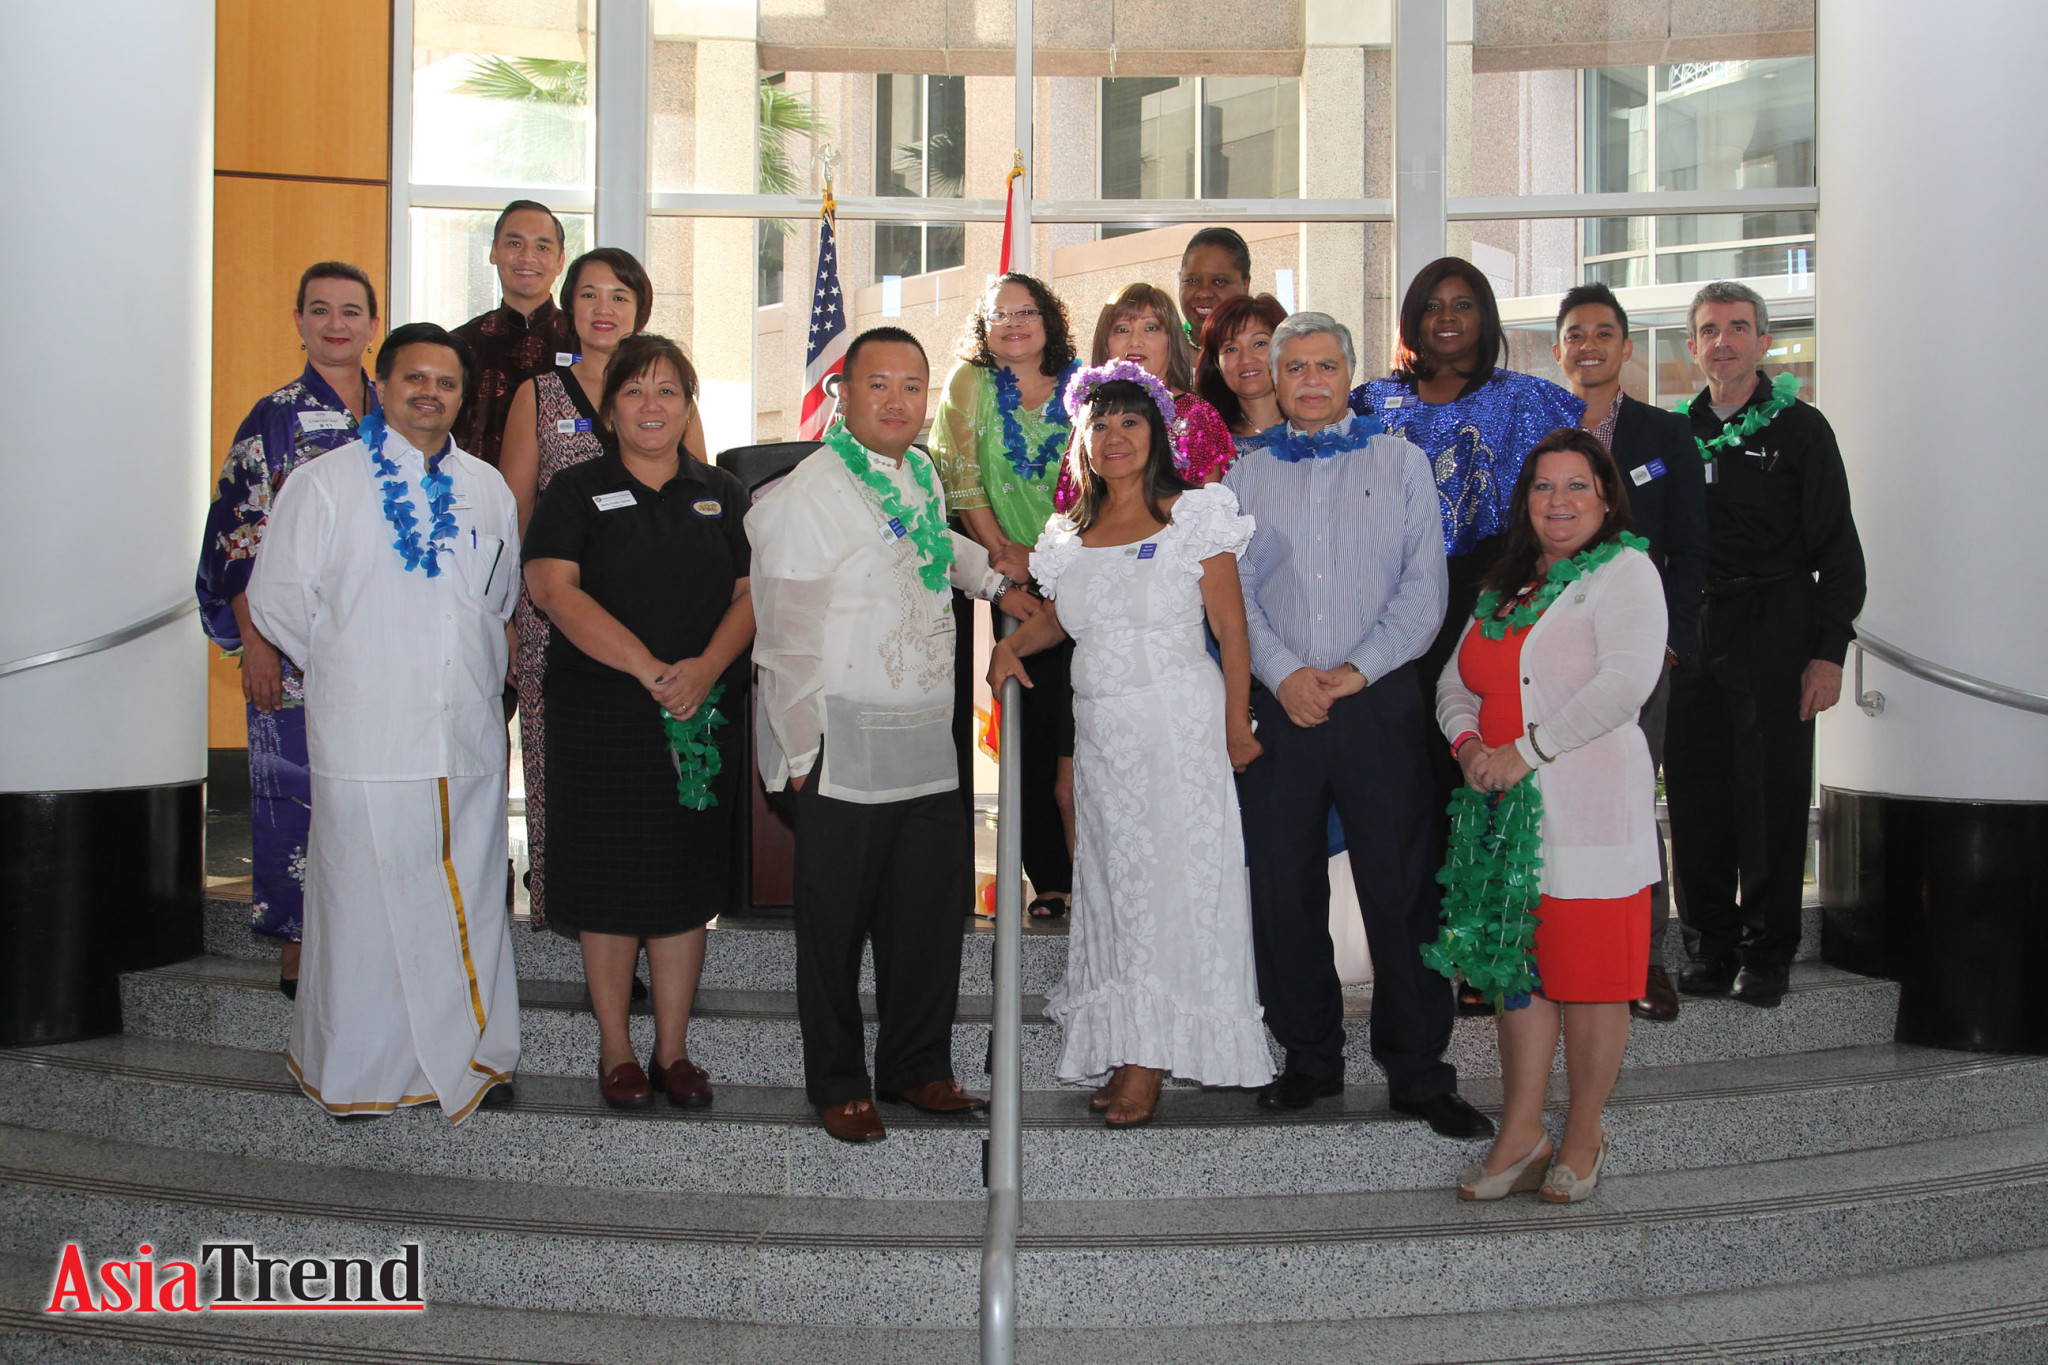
<point>999,438</point>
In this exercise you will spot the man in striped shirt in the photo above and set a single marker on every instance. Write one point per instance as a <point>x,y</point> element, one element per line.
<point>1344,586</point>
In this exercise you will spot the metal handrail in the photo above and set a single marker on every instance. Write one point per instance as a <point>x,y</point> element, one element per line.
<point>1872,702</point>
<point>1006,1093</point>
<point>98,643</point>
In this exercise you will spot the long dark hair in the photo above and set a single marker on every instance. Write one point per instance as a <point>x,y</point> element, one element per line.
<point>1059,335</point>
<point>1161,479</point>
<point>1411,356</point>
<point>1516,567</point>
<point>1231,317</point>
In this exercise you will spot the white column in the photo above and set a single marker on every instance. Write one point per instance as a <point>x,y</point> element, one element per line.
<point>105,471</point>
<point>622,118</point>
<point>1933,195</point>
<point>1420,133</point>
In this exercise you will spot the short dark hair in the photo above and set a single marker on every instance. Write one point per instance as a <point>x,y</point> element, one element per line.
<point>1230,240</point>
<point>636,355</point>
<point>622,264</point>
<point>876,335</point>
<point>1516,566</point>
<point>1409,353</point>
<point>1059,334</point>
<point>425,334</point>
<point>1581,295</point>
<point>335,270</point>
<point>1132,300</point>
<point>1231,317</point>
<point>1161,476</point>
<point>529,206</point>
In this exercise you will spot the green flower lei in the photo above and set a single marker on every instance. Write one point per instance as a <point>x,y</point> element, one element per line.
<point>925,528</point>
<point>1784,389</point>
<point>1492,886</point>
<point>1535,604</point>
<point>695,751</point>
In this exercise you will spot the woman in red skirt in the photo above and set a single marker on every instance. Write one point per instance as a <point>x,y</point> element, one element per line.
<point>1564,648</point>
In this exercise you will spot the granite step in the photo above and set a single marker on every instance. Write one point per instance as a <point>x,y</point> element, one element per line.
<point>1989,1310</point>
<point>751,1037</point>
<point>1081,1264</point>
<point>758,953</point>
<point>766,1140</point>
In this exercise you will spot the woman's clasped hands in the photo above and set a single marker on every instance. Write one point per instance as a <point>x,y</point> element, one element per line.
<point>1490,769</point>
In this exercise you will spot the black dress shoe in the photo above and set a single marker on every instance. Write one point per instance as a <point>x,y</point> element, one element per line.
<point>1660,1001</point>
<point>1299,1090</point>
<point>1706,978</point>
<point>1448,1115</point>
<point>288,987</point>
<point>1762,984</point>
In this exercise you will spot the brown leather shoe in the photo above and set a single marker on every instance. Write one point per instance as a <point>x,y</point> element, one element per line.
<point>1660,999</point>
<point>851,1124</point>
<point>686,1084</point>
<point>936,1097</point>
<point>625,1087</point>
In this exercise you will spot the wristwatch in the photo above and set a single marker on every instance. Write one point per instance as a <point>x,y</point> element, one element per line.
<point>1003,585</point>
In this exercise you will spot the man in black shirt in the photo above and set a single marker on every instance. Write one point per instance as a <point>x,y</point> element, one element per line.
<point>1785,582</point>
<point>522,336</point>
<point>1667,502</point>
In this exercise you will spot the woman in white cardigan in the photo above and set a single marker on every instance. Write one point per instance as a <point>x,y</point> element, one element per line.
<point>1548,679</point>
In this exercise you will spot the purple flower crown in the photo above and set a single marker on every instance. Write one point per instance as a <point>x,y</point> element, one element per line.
<point>1084,384</point>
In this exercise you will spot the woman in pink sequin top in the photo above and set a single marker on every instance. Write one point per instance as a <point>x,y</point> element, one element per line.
<point>1142,325</point>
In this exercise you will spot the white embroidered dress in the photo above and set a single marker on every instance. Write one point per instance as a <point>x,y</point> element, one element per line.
<point>1159,958</point>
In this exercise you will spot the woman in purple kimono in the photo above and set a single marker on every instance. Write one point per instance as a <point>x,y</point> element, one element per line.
<point>336,314</point>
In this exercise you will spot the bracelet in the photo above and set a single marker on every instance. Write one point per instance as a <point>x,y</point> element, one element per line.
<point>1003,585</point>
<point>1461,741</point>
<point>1547,758</point>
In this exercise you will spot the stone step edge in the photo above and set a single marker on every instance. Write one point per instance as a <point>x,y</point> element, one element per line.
<point>792,1112</point>
<point>187,1337</point>
<point>1450,1228</point>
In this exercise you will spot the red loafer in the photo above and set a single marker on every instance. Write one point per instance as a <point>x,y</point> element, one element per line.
<point>625,1087</point>
<point>686,1084</point>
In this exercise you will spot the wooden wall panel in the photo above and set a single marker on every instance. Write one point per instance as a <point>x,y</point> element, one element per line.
<point>304,87</point>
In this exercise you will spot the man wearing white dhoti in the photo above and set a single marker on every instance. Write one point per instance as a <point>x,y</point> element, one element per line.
<point>389,576</point>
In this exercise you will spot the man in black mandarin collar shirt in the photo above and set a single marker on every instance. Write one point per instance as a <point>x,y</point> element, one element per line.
<point>1784,585</point>
<point>521,337</point>
<point>1667,500</point>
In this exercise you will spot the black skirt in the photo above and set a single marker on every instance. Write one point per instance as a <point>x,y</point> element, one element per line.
<point>624,855</point>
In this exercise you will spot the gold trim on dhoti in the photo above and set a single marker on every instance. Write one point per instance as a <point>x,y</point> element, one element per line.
<point>359,1106</point>
<point>476,996</point>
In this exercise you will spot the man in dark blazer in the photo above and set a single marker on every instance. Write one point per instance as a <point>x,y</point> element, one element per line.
<point>1667,499</point>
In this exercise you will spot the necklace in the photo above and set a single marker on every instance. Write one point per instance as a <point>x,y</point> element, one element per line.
<point>694,751</point>
<point>440,491</point>
<point>1784,390</point>
<point>1536,603</point>
<point>1293,447</point>
<point>1029,463</point>
<point>924,528</point>
<point>1492,880</point>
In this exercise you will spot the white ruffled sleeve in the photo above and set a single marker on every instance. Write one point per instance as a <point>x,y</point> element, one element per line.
<point>1207,523</point>
<point>1058,544</point>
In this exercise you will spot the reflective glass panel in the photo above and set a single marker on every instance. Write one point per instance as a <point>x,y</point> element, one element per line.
<point>499,99</point>
<point>452,276</point>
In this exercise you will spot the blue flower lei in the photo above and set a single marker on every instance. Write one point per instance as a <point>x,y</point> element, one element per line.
<point>1292,447</point>
<point>440,490</point>
<point>1009,398</point>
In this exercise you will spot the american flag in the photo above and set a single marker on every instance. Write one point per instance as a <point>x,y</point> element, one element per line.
<point>827,350</point>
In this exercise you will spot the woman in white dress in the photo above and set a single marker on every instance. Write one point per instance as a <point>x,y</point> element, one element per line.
<point>1159,960</point>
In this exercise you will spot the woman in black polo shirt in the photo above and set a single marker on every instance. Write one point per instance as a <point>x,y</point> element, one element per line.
<point>639,561</point>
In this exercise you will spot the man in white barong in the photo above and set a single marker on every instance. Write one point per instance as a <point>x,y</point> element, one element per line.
<point>389,575</point>
<point>853,572</point>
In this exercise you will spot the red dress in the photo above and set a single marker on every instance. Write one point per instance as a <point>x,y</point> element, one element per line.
<point>1587,951</point>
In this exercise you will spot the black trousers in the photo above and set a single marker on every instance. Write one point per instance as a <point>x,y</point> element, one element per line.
<point>902,873</point>
<point>1368,761</point>
<point>1048,716</point>
<point>1653,721</point>
<point>1738,772</point>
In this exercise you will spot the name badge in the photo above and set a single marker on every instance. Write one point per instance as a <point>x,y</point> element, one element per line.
<point>1147,550</point>
<point>607,502</point>
<point>894,529</point>
<point>1393,402</point>
<point>710,507</point>
<point>566,358</point>
<point>570,426</point>
<point>458,501</point>
<point>323,421</point>
<point>1642,475</point>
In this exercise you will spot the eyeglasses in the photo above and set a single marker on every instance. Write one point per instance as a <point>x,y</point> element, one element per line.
<point>999,317</point>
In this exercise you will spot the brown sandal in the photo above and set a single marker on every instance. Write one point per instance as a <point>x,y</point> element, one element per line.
<point>1138,1099</point>
<point>1104,1093</point>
